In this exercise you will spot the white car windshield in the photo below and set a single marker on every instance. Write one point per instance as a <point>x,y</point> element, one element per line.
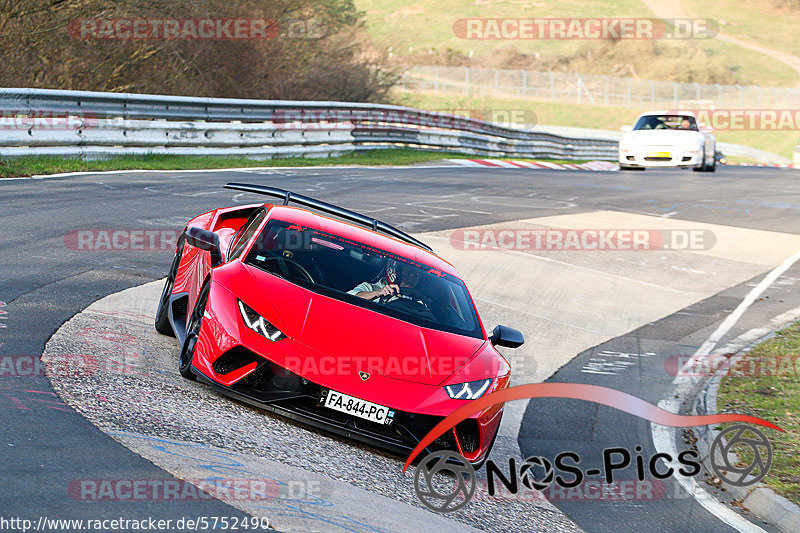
<point>666,122</point>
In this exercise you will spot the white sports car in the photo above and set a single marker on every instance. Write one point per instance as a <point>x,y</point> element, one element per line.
<point>667,139</point>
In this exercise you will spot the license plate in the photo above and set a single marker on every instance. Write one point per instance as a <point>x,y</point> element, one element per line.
<point>660,154</point>
<point>351,405</point>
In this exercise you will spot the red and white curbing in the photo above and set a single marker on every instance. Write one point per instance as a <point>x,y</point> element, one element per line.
<point>516,163</point>
<point>777,165</point>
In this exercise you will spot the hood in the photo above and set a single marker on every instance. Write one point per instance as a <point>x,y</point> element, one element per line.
<point>356,336</point>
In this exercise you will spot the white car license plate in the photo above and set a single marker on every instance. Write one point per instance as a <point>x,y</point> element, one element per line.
<point>357,407</point>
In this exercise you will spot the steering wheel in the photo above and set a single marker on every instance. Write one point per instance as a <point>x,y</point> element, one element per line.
<point>407,297</point>
<point>285,262</point>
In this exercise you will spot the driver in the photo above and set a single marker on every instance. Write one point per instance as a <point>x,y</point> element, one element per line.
<point>389,285</point>
<point>686,124</point>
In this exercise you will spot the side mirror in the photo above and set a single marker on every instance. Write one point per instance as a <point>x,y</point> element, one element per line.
<point>626,128</point>
<point>205,240</point>
<point>506,336</point>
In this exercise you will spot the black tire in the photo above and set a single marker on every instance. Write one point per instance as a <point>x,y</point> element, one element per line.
<point>708,168</point>
<point>162,314</point>
<point>192,334</point>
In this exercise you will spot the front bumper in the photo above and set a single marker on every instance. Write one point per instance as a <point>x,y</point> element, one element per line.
<point>647,159</point>
<point>282,392</point>
<point>242,364</point>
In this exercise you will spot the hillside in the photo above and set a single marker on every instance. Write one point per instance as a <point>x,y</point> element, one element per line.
<point>422,33</point>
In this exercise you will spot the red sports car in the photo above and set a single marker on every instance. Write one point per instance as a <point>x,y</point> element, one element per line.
<point>341,322</point>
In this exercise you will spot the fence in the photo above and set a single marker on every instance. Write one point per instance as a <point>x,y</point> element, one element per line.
<point>97,125</point>
<point>596,90</point>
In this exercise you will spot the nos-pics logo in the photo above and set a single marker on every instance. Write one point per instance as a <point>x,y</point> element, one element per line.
<point>445,481</point>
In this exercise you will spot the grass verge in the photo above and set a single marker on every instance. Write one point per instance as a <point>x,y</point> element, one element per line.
<point>28,166</point>
<point>774,397</point>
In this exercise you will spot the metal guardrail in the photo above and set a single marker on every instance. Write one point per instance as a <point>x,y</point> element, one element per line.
<point>97,125</point>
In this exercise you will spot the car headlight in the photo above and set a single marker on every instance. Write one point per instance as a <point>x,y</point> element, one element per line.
<point>258,324</point>
<point>469,390</point>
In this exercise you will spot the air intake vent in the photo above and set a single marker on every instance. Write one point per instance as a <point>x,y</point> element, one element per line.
<point>468,435</point>
<point>234,359</point>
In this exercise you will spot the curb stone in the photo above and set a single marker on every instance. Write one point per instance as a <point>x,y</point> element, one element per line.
<point>759,499</point>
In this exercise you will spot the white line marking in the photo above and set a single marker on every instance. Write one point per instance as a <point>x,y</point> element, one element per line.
<point>751,297</point>
<point>664,436</point>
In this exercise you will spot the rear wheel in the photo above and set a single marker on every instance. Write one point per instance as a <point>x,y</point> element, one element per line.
<point>192,334</point>
<point>162,315</point>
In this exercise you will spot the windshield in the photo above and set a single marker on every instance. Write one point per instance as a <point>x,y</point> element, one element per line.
<point>666,122</point>
<point>366,276</point>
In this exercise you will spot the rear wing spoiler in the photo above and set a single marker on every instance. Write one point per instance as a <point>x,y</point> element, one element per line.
<point>319,205</point>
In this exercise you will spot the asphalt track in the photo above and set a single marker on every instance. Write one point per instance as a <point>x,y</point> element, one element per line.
<point>45,444</point>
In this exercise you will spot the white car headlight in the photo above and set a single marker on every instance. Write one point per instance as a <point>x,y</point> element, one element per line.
<point>470,390</point>
<point>258,323</point>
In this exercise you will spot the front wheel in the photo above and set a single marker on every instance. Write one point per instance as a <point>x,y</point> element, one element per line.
<point>712,167</point>
<point>192,334</point>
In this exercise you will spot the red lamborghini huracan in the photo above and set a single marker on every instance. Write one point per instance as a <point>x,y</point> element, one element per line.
<point>341,322</point>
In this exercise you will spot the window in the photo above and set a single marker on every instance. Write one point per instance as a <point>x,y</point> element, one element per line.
<point>341,268</point>
<point>666,122</point>
<point>240,240</point>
